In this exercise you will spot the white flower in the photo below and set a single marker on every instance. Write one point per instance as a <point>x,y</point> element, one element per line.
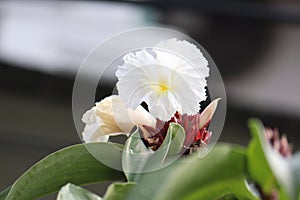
<point>110,117</point>
<point>185,49</point>
<point>169,78</point>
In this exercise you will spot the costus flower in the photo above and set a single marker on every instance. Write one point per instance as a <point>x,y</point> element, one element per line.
<point>195,127</point>
<point>278,156</point>
<point>273,152</point>
<point>169,78</point>
<point>111,117</point>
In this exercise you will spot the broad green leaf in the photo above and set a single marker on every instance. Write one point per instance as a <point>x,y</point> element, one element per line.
<point>4,193</point>
<point>219,174</point>
<point>228,197</point>
<point>73,164</point>
<point>236,188</point>
<point>266,166</point>
<point>73,192</point>
<point>135,155</point>
<point>117,191</point>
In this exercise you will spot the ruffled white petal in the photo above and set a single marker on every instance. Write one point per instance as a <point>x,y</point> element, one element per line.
<point>184,49</point>
<point>179,95</point>
<point>135,59</point>
<point>167,81</point>
<point>187,60</point>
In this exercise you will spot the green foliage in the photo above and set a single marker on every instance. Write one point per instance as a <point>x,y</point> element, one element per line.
<point>4,193</point>
<point>73,192</point>
<point>137,158</point>
<point>295,165</point>
<point>258,165</point>
<point>219,174</point>
<point>267,167</point>
<point>117,191</point>
<point>73,164</point>
<point>170,149</point>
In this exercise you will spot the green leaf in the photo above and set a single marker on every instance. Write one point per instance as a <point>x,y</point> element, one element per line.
<point>117,191</point>
<point>73,192</point>
<point>295,167</point>
<point>266,166</point>
<point>219,174</point>
<point>228,189</point>
<point>73,164</point>
<point>135,155</point>
<point>170,149</point>
<point>137,158</point>
<point>172,145</point>
<point>4,193</point>
<point>258,166</point>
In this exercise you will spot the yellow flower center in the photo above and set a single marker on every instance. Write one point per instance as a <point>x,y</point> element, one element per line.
<point>160,87</point>
<point>163,88</point>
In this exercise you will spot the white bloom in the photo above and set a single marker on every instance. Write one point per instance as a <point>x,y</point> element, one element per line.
<point>184,49</point>
<point>169,78</point>
<point>110,117</point>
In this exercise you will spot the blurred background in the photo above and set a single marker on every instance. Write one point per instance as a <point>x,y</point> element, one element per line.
<point>255,44</point>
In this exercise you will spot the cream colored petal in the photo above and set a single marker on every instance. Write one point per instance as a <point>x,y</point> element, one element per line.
<point>110,117</point>
<point>126,119</point>
<point>208,113</point>
<point>141,117</point>
<point>92,131</point>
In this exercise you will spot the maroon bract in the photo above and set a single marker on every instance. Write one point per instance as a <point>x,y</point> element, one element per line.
<point>280,144</point>
<point>195,136</point>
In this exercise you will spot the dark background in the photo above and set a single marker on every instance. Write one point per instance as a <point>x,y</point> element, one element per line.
<point>255,44</point>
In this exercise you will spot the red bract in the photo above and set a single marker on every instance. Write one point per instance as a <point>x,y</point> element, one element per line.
<point>279,144</point>
<point>195,126</point>
<point>190,123</point>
